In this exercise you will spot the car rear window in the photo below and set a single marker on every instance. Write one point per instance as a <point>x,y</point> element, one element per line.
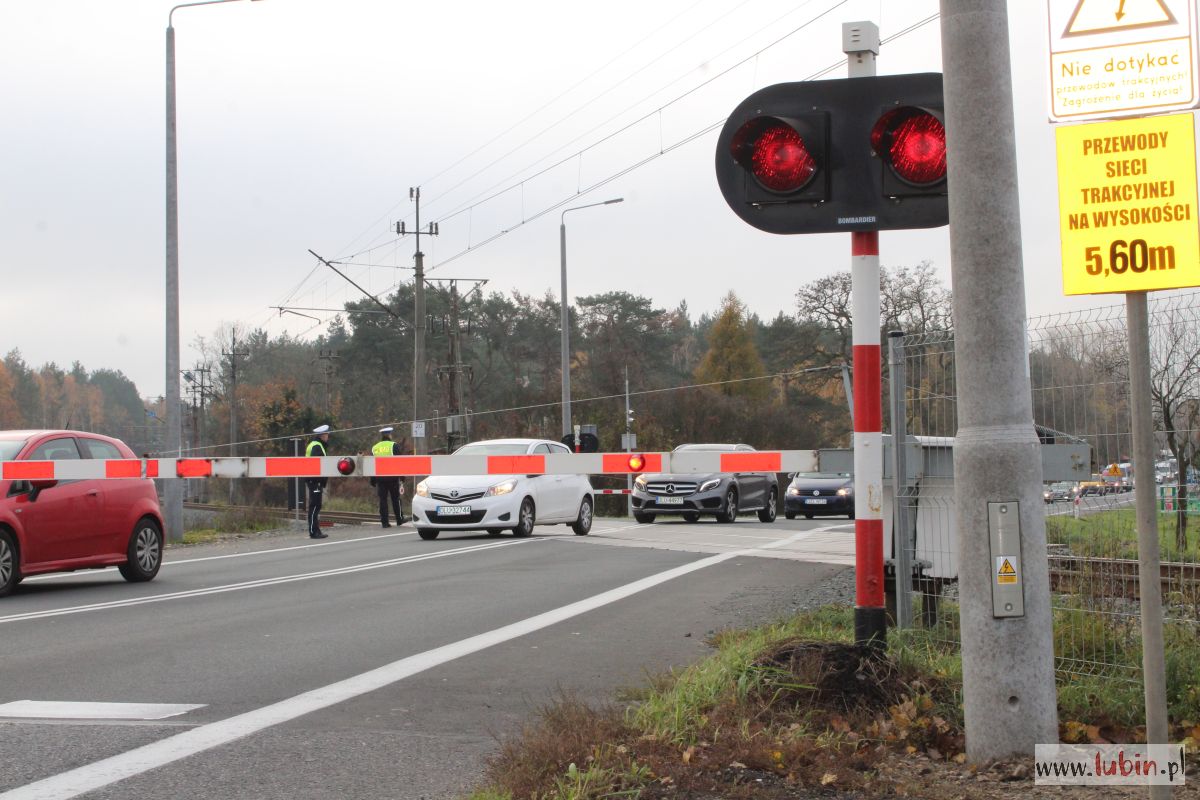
<point>492,449</point>
<point>10,447</point>
<point>55,450</point>
<point>101,450</point>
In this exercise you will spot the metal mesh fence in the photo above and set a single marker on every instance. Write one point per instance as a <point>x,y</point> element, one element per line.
<point>1078,369</point>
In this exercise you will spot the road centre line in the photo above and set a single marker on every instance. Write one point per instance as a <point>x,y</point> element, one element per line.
<point>105,772</point>
<point>262,582</point>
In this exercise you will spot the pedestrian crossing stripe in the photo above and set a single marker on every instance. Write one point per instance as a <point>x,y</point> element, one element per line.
<point>1006,573</point>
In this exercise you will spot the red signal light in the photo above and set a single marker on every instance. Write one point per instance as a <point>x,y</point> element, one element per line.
<point>345,466</point>
<point>912,141</point>
<point>776,155</point>
<point>637,463</point>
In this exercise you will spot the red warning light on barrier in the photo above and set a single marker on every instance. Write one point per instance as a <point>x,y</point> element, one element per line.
<point>345,466</point>
<point>637,463</point>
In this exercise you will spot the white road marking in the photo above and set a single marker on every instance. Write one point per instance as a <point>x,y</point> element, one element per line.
<point>186,561</point>
<point>59,709</point>
<point>205,737</point>
<point>234,587</point>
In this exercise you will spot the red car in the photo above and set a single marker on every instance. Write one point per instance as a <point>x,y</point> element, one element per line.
<point>62,526</point>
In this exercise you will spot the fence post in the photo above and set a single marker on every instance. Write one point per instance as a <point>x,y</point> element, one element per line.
<point>901,554</point>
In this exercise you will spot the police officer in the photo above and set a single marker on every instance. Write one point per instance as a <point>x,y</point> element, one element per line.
<point>388,486</point>
<point>316,486</point>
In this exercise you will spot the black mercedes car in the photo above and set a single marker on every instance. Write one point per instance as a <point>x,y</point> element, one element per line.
<point>691,495</point>
<point>819,494</point>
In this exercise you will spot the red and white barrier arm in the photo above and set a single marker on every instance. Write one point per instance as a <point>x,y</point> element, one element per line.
<point>397,466</point>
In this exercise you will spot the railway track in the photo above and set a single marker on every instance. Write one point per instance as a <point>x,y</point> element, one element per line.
<point>1117,577</point>
<point>344,517</point>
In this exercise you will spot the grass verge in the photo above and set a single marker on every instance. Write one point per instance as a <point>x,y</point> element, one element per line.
<point>797,704</point>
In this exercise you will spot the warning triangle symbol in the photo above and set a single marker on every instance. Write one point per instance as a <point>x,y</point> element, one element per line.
<point>1106,16</point>
<point>1006,568</point>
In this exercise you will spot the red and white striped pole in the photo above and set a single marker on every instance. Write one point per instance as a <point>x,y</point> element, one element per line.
<point>870,623</point>
<point>860,43</point>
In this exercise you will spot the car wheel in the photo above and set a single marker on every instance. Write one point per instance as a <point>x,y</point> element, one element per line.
<point>731,507</point>
<point>790,514</point>
<point>583,524</point>
<point>428,534</point>
<point>525,519</point>
<point>768,514</point>
<point>850,515</point>
<point>643,518</point>
<point>807,515</point>
<point>495,531</point>
<point>144,552</point>
<point>691,516</point>
<point>10,564</point>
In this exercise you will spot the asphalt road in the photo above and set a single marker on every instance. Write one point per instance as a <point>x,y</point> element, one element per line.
<point>368,665</point>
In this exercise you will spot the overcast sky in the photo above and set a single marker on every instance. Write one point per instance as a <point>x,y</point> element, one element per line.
<point>303,123</point>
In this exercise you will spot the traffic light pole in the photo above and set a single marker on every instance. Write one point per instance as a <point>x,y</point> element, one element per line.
<point>860,42</point>
<point>1009,698</point>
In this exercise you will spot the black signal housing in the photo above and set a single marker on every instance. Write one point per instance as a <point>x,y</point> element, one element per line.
<point>856,184</point>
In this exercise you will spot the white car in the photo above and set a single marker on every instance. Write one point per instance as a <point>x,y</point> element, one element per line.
<point>503,502</point>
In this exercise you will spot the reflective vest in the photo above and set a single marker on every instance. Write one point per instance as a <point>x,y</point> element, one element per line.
<point>313,447</point>
<point>384,448</point>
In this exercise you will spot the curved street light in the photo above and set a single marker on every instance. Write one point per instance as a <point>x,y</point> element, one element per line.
<point>564,313</point>
<point>173,488</point>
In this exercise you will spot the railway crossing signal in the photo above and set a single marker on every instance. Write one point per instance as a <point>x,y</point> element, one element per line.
<point>859,154</point>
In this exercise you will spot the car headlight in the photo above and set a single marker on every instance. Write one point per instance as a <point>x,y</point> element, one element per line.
<point>842,492</point>
<point>422,489</point>
<point>711,483</point>
<point>504,487</point>
<point>640,482</point>
<point>794,491</point>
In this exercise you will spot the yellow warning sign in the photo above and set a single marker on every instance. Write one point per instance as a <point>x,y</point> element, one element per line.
<point>1113,471</point>
<point>1128,217</point>
<point>1005,571</point>
<point>1106,16</point>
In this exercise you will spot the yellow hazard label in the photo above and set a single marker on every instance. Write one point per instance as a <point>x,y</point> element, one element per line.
<point>1005,571</point>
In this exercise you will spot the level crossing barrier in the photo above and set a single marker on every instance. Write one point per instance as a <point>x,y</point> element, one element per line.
<point>690,461</point>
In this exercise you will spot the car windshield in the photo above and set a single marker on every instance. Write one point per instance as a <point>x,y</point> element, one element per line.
<point>492,449</point>
<point>10,447</point>
<point>828,476</point>
<point>710,447</point>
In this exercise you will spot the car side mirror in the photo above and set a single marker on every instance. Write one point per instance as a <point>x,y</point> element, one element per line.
<point>37,487</point>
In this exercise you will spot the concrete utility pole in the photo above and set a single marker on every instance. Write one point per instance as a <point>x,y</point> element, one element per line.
<point>233,355</point>
<point>1009,696</point>
<point>414,194</point>
<point>456,371</point>
<point>328,356</point>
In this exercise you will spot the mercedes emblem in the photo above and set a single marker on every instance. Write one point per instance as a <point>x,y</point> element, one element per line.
<point>670,488</point>
<point>816,492</point>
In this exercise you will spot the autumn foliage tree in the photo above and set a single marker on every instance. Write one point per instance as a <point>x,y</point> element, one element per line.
<point>732,356</point>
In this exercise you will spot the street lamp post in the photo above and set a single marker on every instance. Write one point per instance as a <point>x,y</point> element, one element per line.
<point>565,315</point>
<point>174,488</point>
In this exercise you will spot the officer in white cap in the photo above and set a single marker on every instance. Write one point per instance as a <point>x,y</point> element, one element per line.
<point>316,486</point>
<point>389,486</point>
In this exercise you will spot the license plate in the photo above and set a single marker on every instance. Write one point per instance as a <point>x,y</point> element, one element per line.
<point>670,501</point>
<point>816,501</point>
<point>453,511</point>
